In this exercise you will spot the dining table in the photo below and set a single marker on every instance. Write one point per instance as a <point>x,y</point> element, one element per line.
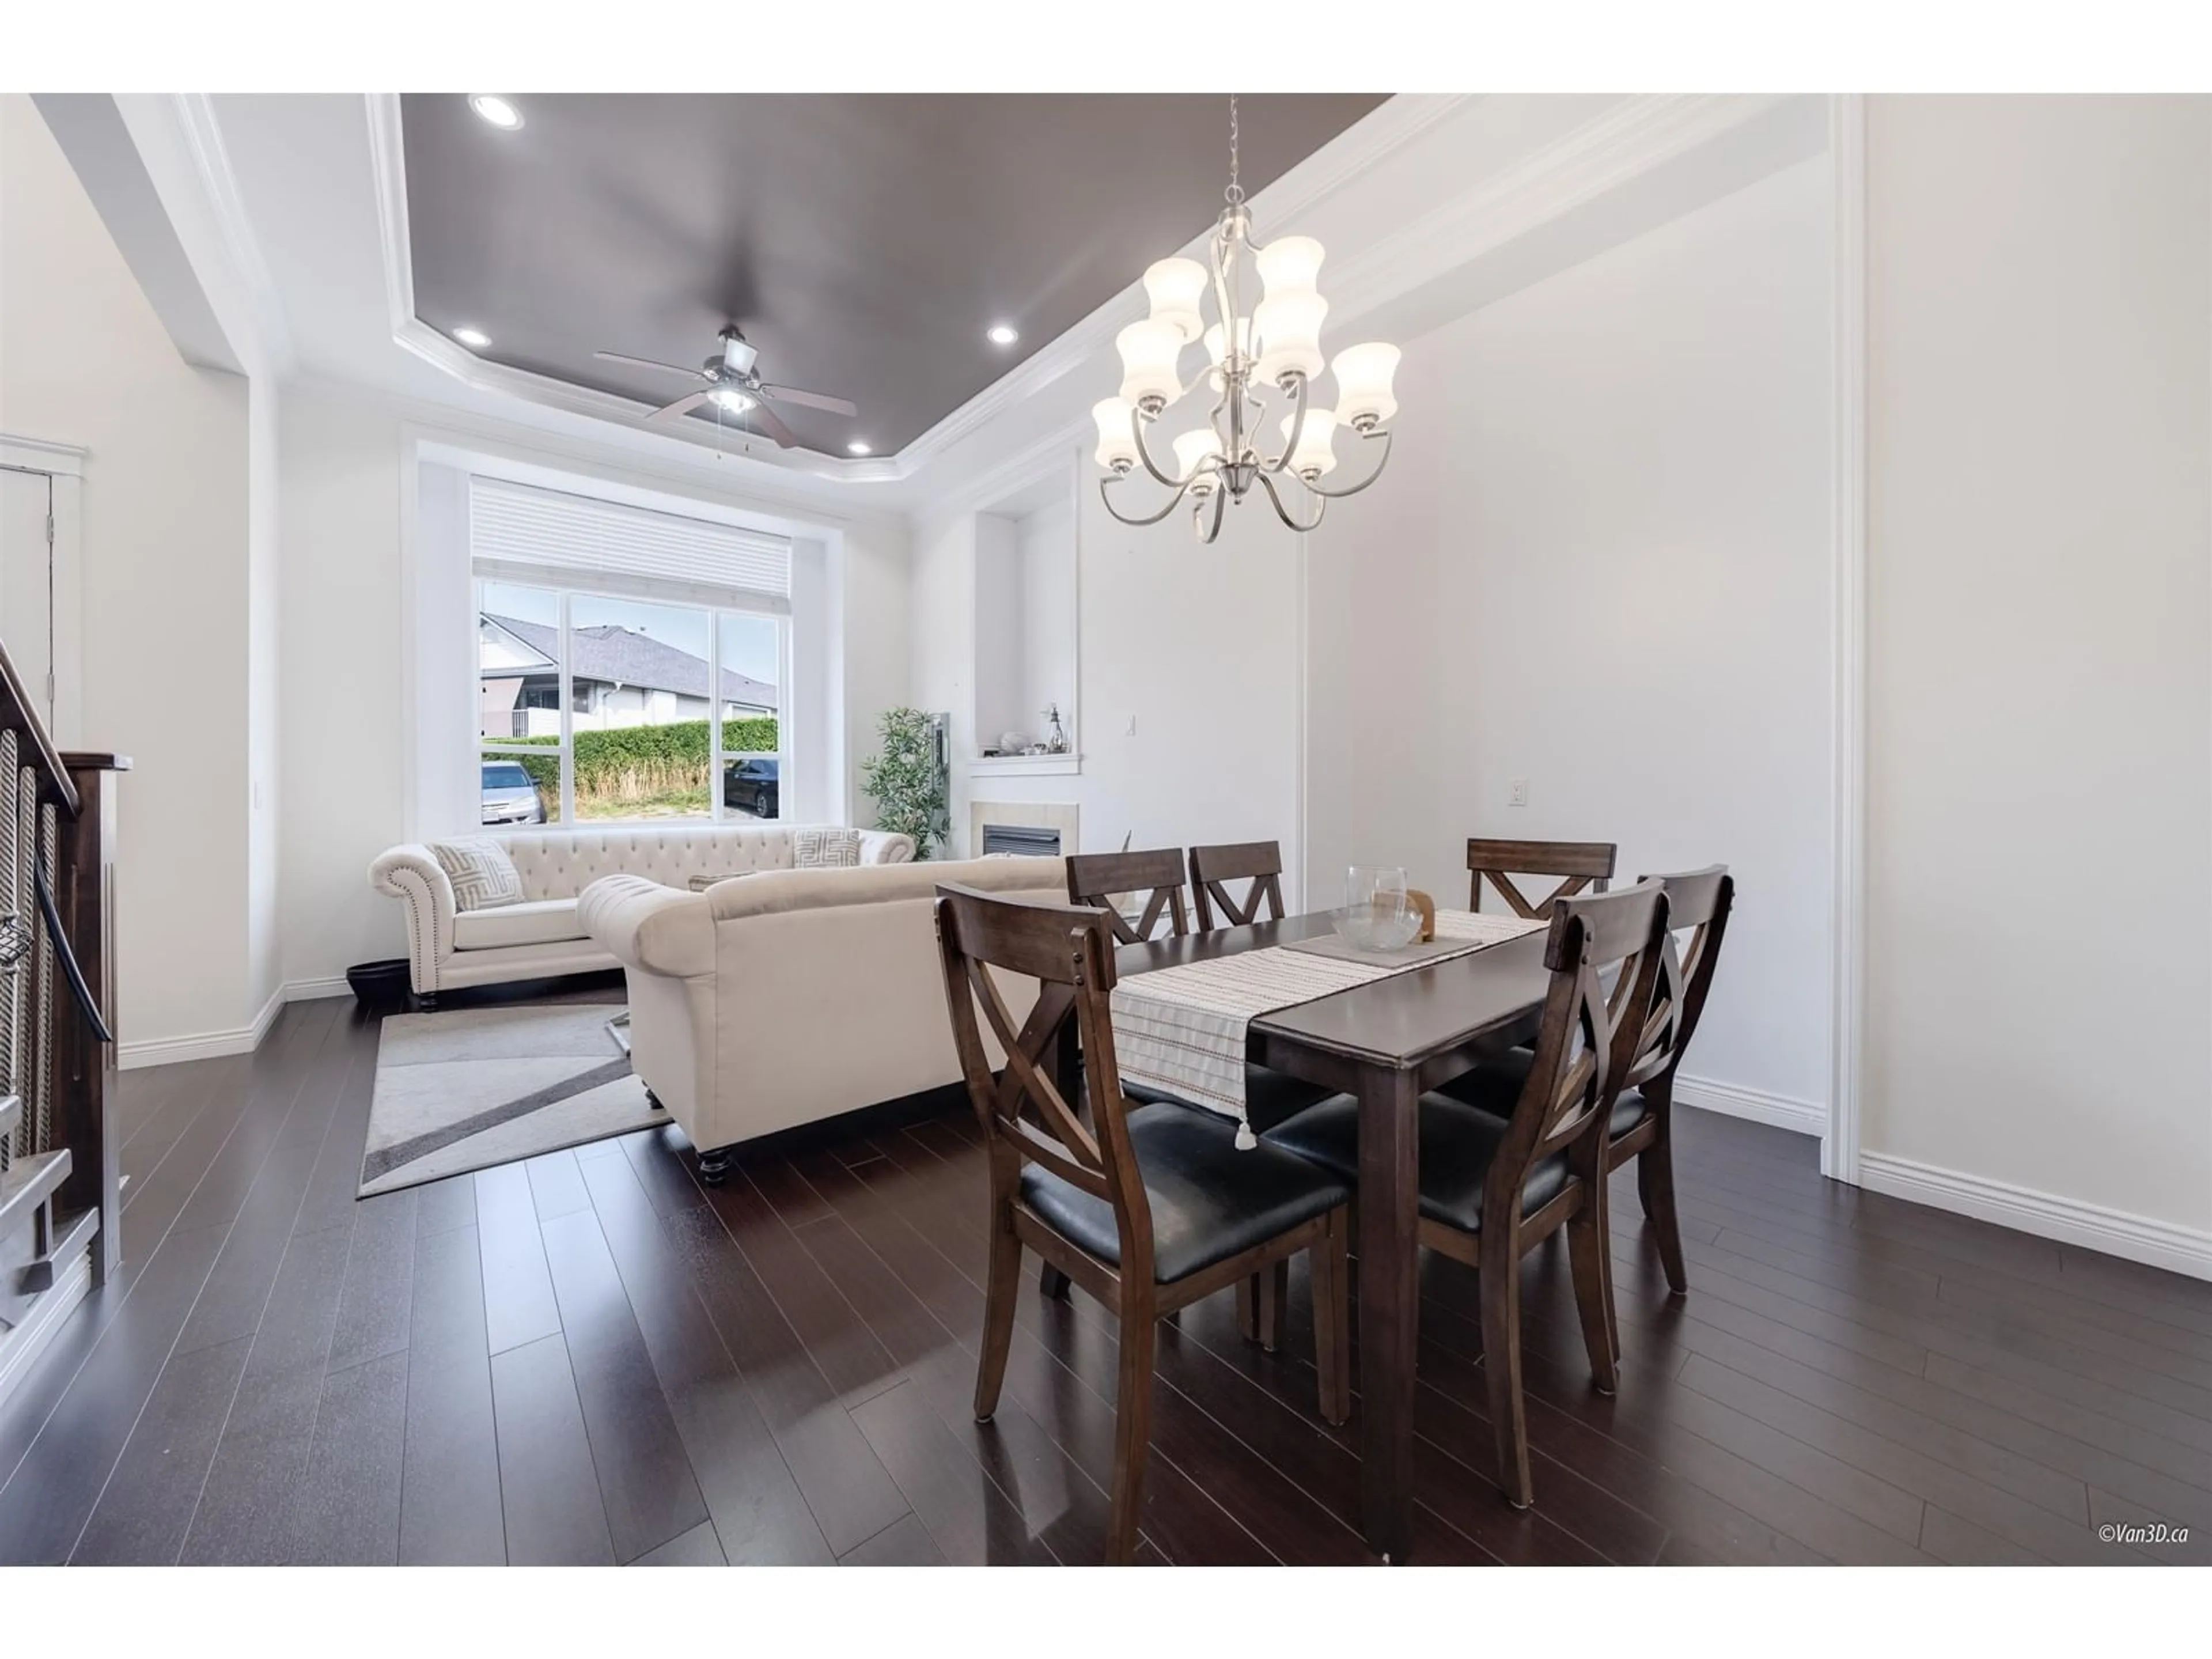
<point>1385,1042</point>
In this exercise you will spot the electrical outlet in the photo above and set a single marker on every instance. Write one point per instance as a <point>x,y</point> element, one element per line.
<point>1519,793</point>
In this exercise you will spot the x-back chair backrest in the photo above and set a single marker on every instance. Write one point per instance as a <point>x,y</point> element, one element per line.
<point>1025,1115</point>
<point>1699,901</point>
<point>1093,878</point>
<point>1589,1040</point>
<point>1576,864</point>
<point>1260,861</point>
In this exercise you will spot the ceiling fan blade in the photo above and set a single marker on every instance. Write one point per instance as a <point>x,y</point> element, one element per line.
<point>785,438</point>
<point>791,394</point>
<point>647,362</point>
<point>681,407</point>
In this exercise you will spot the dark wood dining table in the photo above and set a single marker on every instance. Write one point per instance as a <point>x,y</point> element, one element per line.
<point>1385,1043</point>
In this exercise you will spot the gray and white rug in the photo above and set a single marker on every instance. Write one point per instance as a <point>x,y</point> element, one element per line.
<point>470,1088</point>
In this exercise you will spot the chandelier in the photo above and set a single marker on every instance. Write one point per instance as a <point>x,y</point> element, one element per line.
<point>1262,363</point>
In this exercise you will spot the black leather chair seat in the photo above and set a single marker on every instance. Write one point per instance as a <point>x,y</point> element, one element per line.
<point>1209,1200</point>
<point>1458,1142</point>
<point>1496,1085</point>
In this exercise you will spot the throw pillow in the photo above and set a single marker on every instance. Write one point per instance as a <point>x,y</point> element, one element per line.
<point>482,875</point>
<point>816,850</point>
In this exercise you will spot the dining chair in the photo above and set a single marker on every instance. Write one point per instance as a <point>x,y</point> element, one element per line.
<point>1260,862</point>
<point>1095,879</point>
<point>1493,1188</point>
<point>1148,1207</point>
<point>1269,1096</point>
<point>1641,1124</point>
<point>1577,864</point>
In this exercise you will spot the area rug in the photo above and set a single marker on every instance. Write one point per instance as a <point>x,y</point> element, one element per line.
<point>470,1088</point>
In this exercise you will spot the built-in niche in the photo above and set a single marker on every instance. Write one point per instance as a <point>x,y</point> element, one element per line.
<point>1025,629</point>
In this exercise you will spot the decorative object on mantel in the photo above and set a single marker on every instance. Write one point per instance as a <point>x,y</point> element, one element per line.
<point>1277,346</point>
<point>908,778</point>
<point>1057,743</point>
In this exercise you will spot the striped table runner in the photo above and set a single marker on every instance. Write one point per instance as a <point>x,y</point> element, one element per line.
<point>1182,1030</point>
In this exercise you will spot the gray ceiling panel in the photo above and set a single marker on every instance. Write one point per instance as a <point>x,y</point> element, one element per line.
<point>863,243</point>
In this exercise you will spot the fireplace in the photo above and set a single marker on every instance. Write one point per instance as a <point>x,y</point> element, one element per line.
<point>1021,826</point>
<point>1027,840</point>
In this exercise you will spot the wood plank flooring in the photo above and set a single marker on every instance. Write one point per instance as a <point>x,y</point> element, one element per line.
<point>589,1357</point>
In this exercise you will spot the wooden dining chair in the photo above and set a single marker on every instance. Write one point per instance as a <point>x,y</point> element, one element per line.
<point>1641,1123</point>
<point>1147,1207</point>
<point>1574,864</point>
<point>1260,862</point>
<point>1095,879</point>
<point>1493,1188</point>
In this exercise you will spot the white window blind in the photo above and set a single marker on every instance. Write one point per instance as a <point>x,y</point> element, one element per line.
<point>519,533</point>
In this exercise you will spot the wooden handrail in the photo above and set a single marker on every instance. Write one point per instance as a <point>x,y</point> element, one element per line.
<point>18,711</point>
<point>60,1185</point>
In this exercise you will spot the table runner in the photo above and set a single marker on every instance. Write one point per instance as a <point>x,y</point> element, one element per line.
<point>1182,1029</point>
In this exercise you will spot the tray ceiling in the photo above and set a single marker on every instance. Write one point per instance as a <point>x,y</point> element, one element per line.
<point>865,244</point>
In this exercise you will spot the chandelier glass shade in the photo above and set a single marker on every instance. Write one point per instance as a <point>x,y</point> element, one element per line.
<point>1262,357</point>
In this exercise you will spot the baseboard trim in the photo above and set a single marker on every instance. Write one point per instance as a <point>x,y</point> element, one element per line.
<point>2070,1221</point>
<point>20,1353</point>
<point>203,1045</point>
<point>308,990</point>
<point>1732,1100</point>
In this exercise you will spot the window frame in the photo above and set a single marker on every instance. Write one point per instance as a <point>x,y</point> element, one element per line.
<point>564,749</point>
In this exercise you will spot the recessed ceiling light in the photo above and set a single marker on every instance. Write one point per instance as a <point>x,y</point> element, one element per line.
<point>1001,334</point>
<point>859,447</point>
<point>499,112</point>
<point>474,338</point>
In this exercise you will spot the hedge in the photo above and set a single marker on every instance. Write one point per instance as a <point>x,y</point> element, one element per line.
<point>630,763</point>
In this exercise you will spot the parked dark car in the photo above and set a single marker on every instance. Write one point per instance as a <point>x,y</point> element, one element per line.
<point>750,786</point>
<point>509,796</point>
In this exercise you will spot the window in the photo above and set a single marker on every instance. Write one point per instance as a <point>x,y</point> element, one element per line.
<point>613,682</point>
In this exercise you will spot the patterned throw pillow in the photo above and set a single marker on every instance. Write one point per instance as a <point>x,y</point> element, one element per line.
<point>816,850</point>
<point>482,875</point>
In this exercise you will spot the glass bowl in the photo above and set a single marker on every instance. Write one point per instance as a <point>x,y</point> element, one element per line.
<point>1373,928</point>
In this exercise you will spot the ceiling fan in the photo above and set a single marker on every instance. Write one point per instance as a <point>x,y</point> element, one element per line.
<point>734,385</point>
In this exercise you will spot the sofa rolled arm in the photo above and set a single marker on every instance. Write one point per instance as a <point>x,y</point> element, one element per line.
<point>885,847</point>
<point>644,924</point>
<point>411,872</point>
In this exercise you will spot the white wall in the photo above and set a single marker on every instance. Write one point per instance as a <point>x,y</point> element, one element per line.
<point>1046,539</point>
<point>1001,615</point>
<point>2039,674</point>
<point>1200,648</point>
<point>168,594</point>
<point>373,610</point>
<point>1600,562</point>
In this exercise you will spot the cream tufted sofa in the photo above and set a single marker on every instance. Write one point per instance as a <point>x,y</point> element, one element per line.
<point>449,947</point>
<point>763,1004</point>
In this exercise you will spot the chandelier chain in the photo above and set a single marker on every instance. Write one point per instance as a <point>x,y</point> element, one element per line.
<point>1236,191</point>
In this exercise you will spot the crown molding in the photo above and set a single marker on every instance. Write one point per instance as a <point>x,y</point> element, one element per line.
<point>203,137</point>
<point>387,162</point>
<point>1627,141</point>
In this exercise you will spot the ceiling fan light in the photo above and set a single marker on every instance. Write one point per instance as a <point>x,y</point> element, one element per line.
<point>732,400</point>
<point>1315,452</point>
<point>1148,350</point>
<point>1174,287</point>
<point>1192,452</point>
<point>1363,374</point>
<point>1117,436</point>
<point>1289,326</point>
<point>1290,264</point>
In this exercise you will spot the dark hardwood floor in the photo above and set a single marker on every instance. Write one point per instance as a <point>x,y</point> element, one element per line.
<point>589,1357</point>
